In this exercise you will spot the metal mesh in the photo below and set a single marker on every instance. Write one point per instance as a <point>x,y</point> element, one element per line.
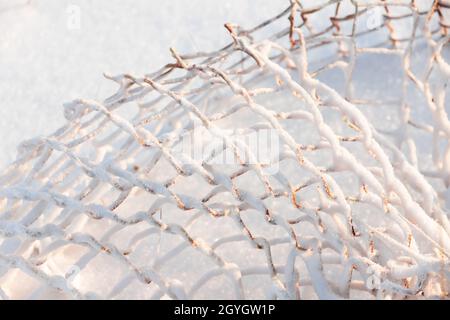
<point>353,203</point>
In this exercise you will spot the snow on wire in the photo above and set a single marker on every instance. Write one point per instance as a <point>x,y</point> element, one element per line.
<point>348,206</point>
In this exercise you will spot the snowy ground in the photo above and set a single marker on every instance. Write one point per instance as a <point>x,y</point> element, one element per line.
<point>47,58</point>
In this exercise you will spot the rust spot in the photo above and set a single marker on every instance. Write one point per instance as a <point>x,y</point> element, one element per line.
<point>327,189</point>
<point>294,200</point>
<point>364,188</point>
<point>297,243</point>
<point>39,263</point>
<point>354,232</point>
<point>346,253</point>
<point>385,205</point>
<point>405,283</point>
<point>300,155</point>
<point>291,29</point>
<point>351,124</point>
<point>279,81</point>
<point>106,250</point>
<point>194,243</point>
<point>229,28</point>
<point>268,215</point>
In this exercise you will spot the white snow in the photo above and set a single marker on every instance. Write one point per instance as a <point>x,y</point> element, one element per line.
<point>45,60</point>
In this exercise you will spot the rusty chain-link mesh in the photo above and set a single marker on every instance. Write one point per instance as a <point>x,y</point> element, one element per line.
<point>354,204</point>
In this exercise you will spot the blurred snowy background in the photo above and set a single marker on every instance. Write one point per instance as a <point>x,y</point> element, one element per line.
<point>53,51</point>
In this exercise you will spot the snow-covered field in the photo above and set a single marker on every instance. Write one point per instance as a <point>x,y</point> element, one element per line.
<point>53,51</point>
